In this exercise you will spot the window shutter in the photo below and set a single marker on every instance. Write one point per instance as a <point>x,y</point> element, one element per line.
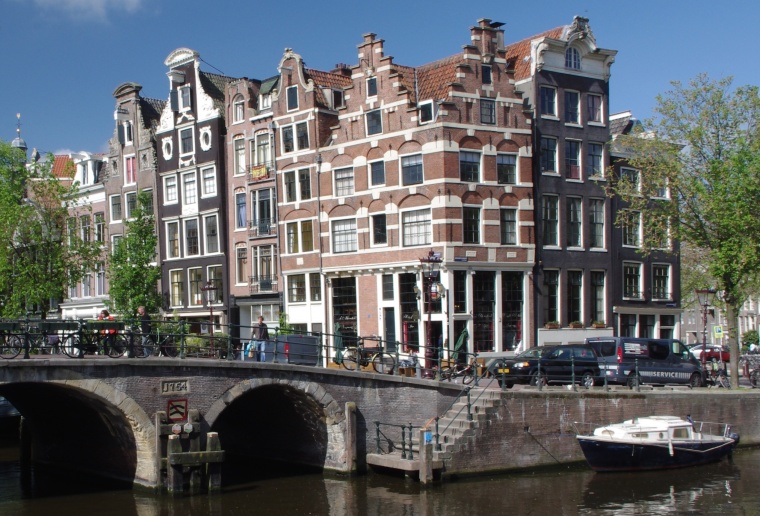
<point>120,131</point>
<point>174,100</point>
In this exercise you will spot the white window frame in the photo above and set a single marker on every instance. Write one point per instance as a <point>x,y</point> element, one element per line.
<point>420,219</point>
<point>294,132</point>
<point>344,181</point>
<point>288,97</point>
<point>578,167</point>
<point>376,87</point>
<point>177,277</point>
<point>488,106</point>
<point>513,224</point>
<point>344,235</point>
<point>184,98</point>
<point>207,238</point>
<point>169,253</point>
<point>593,222</point>
<point>373,112</point>
<point>186,239</point>
<point>370,178</point>
<point>188,179</point>
<point>668,280</point>
<point>465,157</point>
<point>238,156</point>
<point>541,153</point>
<point>633,176</point>
<point>589,113</point>
<point>545,220</point>
<point>552,114</point>
<point>638,265</point>
<point>590,169</point>
<point>570,202</point>
<point>637,230</point>
<point>129,211</point>
<point>298,237</point>
<point>516,172</point>
<point>372,230</point>
<point>170,185</point>
<point>131,158</point>
<point>180,133</point>
<point>110,208</point>
<point>241,194</point>
<point>422,117</point>
<point>242,273</point>
<point>416,156</point>
<point>208,182</point>
<point>573,58</point>
<point>195,298</point>
<point>129,137</point>
<point>479,227</point>
<point>238,109</point>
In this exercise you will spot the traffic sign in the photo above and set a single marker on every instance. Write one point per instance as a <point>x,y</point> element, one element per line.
<point>176,410</point>
<point>718,332</point>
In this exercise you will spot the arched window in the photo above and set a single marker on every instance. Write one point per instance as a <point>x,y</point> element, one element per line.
<point>572,59</point>
<point>238,109</point>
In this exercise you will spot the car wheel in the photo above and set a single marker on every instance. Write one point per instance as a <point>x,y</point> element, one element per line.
<point>588,380</point>
<point>695,380</point>
<point>534,380</point>
<point>633,381</point>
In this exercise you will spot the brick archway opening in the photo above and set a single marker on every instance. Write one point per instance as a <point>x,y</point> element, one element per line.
<point>76,428</point>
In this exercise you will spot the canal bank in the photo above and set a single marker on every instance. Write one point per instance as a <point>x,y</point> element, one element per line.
<point>527,428</point>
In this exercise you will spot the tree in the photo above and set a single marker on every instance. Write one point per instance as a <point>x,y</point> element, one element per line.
<point>40,251</point>
<point>132,270</point>
<point>704,149</point>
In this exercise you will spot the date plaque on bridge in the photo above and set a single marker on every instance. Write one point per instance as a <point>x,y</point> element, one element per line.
<point>173,387</point>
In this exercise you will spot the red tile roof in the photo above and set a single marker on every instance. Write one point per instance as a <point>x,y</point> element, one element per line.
<point>433,79</point>
<point>63,167</point>
<point>518,51</point>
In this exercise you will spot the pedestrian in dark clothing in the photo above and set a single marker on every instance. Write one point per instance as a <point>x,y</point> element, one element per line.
<point>145,329</point>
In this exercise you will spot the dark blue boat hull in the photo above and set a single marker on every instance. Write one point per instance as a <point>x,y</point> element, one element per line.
<point>618,456</point>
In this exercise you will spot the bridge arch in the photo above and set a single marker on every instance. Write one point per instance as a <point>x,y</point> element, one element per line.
<point>89,424</point>
<point>283,419</point>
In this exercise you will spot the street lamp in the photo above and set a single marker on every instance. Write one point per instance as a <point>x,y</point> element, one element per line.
<point>430,266</point>
<point>209,289</point>
<point>705,296</point>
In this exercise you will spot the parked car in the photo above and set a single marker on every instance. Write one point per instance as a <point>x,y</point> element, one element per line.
<point>633,361</point>
<point>713,352</point>
<point>558,364</point>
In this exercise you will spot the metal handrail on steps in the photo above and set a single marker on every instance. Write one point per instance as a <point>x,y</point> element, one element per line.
<point>405,445</point>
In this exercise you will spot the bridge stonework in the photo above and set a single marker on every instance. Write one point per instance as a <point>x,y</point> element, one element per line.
<point>99,414</point>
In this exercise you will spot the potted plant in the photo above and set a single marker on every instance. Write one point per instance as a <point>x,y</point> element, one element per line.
<point>576,324</point>
<point>552,325</point>
<point>598,324</point>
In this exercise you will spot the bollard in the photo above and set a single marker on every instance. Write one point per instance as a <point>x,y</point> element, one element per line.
<point>214,472</point>
<point>572,369</point>
<point>174,476</point>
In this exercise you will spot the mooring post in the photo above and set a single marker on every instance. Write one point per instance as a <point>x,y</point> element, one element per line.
<point>214,468</point>
<point>426,457</point>
<point>174,476</point>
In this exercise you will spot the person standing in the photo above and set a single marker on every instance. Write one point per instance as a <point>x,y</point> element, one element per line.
<point>260,337</point>
<point>145,329</point>
<point>107,334</point>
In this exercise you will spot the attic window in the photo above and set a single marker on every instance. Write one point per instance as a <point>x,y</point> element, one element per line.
<point>572,58</point>
<point>337,99</point>
<point>427,112</point>
<point>486,74</point>
<point>292,98</point>
<point>372,87</point>
<point>238,109</point>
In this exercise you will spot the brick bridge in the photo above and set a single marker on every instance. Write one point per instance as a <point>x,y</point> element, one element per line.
<point>105,415</point>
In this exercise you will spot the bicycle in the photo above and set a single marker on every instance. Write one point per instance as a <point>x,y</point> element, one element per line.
<point>158,345</point>
<point>466,372</point>
<point>92,340</point>
<point>11,343</point>
<point>357,357</point>
<point>716,377</point>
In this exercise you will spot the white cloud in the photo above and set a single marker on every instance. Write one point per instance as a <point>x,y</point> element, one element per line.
<point>90,8</point>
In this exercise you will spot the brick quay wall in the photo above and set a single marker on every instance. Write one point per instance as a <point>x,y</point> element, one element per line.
<point>529,429</point>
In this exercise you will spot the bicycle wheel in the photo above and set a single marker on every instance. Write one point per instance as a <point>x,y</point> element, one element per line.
<point>145,348</point>
<point>70,346</point>
<point>10,346</point>
<point>447,373</point>
<point>350,360</point>
<point>722,381</point>
<point>116,346</point>
<point>468,375</point>
<point>169,348</point>
<point>384,363</point>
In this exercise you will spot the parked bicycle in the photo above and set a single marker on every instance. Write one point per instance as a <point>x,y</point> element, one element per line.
<point>716,376</point>
<point>11,343</point>
<point>159,345</point>
<point>357,357</point>
<point>93,338</point>
<point>466,372</point>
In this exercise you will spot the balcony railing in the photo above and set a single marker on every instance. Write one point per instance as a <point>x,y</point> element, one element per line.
<point>263,284</point>
<point>262,227</point>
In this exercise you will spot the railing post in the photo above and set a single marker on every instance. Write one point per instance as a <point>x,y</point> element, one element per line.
<point>638,378</point>
<point>182,339</point>
<point>437,435</point>
<point>469,406</point>
<point>80,331</point>
<point>377,436</point>
<point>604,373</point>
<point>475,369</point>
<point>411,450</point>
<point>403,442</point>
<point>276,334</point>
<point>572,369</point>
<point>539,380</point>
<point>26,338</point>
<point>230,345</point>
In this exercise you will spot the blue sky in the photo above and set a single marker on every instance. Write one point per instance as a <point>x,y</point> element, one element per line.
<point>64,58</point>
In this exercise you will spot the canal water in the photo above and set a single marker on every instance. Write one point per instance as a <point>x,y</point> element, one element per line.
<point>723,488</point>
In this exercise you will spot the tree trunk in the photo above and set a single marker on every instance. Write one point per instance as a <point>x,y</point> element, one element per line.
<point>732,317</point>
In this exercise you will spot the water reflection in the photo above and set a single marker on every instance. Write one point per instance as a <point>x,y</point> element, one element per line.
<point>257,488</point>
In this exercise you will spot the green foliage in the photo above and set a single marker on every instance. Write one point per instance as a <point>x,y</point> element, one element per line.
<point>704,147</point>
<point>750,337</point>
<point>284,325</point>
<point>41,248</point>
<point>132,270</point>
